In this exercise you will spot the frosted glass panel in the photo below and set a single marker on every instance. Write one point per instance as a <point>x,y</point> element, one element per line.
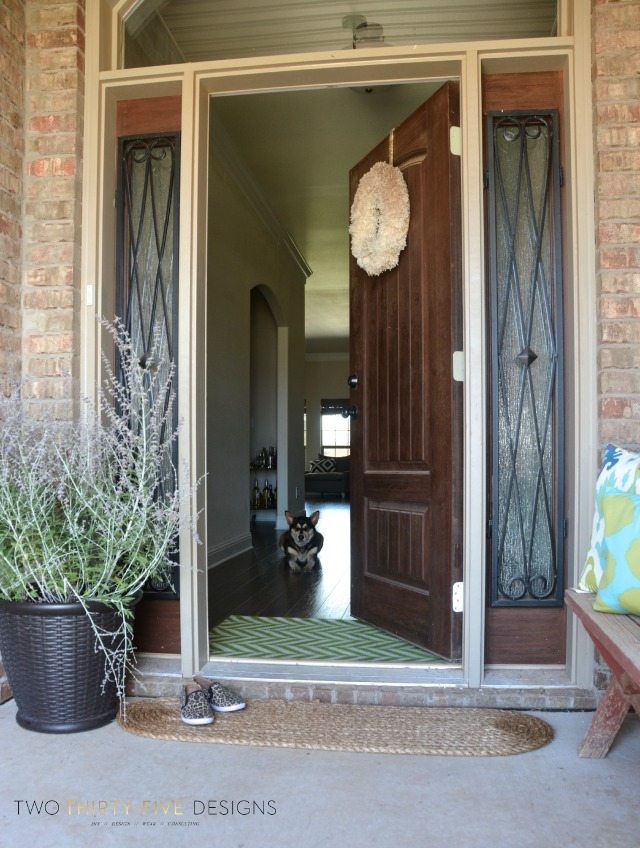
<point>146,291</point>
<point>526,359</point>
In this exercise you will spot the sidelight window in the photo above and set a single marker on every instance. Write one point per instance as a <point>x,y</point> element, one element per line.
<point>147,256</point>
<point>527,446</point>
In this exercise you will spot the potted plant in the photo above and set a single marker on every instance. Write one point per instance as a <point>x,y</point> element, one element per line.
<point>89,512</point>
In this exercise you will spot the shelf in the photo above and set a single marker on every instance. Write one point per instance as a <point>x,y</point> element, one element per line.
<point>263,516</point>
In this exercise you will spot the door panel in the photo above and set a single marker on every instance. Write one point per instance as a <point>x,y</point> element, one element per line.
<point>406,441</point>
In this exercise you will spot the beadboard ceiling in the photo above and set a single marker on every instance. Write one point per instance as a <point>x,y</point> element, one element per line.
<point>296,148</point>
<point>223,29</point>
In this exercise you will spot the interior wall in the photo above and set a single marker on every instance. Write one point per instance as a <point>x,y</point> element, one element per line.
<point>324,378</point>
<point>243,253</point>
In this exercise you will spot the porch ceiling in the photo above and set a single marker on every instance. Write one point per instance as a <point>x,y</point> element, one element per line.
<point>223,29</point>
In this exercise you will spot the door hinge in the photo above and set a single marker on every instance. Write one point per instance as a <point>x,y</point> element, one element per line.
<point>565,527</point>
<point>455,141</point>
<point>457,366</point>
<point>457,596</point>
<point>485,180</point>
<point>561,169</point>
<point>489,528</point>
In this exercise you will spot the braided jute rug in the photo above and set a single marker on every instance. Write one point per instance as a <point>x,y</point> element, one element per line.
<point>447,732</point>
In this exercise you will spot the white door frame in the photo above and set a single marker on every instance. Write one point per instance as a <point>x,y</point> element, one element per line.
<point>196,82</point>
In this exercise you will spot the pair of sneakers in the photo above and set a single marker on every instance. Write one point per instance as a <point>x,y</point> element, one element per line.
<point>203,697</point>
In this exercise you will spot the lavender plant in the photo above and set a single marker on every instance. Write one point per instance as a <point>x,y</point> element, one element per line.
<point>90,509</point>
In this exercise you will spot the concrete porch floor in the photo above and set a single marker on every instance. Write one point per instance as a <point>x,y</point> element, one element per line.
<point>318,798</point>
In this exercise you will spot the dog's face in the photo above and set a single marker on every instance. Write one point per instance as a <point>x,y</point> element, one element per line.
<point>302,527</point>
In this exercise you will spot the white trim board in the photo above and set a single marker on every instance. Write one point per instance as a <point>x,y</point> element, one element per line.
<point>227,549</point>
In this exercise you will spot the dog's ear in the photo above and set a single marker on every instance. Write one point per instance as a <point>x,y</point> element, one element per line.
<point>314,517</point>
<point>289,516</point>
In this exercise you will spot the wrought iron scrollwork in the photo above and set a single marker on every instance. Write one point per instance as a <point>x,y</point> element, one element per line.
<point>526,357</point>
<point>147,258</point>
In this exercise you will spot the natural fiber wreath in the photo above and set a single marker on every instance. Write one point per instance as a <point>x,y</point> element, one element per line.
<point>379,219</point>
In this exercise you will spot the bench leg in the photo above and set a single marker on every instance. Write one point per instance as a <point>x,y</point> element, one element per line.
<point>606,722</point>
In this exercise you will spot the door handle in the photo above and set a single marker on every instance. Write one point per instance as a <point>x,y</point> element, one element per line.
<point>352,380</point>
<point>349,411</point>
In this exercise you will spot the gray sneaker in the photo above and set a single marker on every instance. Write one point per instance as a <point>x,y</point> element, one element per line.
<point>220,699</point>
<point>194,706</point>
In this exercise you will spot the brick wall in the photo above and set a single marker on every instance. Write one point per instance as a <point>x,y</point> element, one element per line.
<point>54,101</point>
<point>12,73</point>
<point>616,97</point>
<point>616,86</point>
<point>41,109</point>
<point>12,69</point>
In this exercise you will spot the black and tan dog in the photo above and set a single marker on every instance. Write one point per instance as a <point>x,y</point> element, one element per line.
<point>302,542</point>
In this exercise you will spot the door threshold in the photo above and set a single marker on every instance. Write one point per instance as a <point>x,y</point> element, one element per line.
<point>159,675</point>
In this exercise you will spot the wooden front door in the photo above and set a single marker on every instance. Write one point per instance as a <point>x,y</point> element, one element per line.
<point>406,483</point>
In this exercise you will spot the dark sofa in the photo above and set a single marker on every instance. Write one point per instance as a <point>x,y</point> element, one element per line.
<point>328,476</point>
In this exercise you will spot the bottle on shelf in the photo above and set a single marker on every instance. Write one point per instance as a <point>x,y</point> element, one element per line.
<point>257,496</point>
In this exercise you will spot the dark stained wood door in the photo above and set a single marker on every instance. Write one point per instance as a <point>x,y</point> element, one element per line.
<point>406,483</point>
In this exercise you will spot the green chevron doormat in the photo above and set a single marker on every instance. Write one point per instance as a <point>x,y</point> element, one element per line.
<point>319,639</point>
<point>441,731</point>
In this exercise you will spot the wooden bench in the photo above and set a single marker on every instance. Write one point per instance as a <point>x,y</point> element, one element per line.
<point>617,638</point>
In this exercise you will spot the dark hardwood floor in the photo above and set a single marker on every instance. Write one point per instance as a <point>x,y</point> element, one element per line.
<point>259,581</point>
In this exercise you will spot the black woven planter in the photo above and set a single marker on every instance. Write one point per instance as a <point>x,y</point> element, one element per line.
<point>56,675</point>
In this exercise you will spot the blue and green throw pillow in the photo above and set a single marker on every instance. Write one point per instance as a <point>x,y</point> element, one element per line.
<point>612,568</point>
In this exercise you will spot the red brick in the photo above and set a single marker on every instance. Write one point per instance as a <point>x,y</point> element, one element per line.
<point>620,331</point>
<point>53,167</point>
<point>618,113</point>
<point>619,357</point>
<point>59,15</point>
<point>50,210</point>
<point>54,276</point>
<point>620,208</point>
<point>620,281</point>
<point>49,366</point>
<point>47,39</point>
<point>49,299</point>
<point>613,407</point>
<point>51,144</point>
<point>53,123</point>
<point>611,184</point>
<point>619,160</point>
<point>617,89</point>
<point>51,60</point>
<point>625,382</point>
<point>620,257</point>
<point>51,81</point>
<point>61,253</point>
<point>58,343</point>
<point>621,431</point>
<point>617,41</point>
<point>619,233</point>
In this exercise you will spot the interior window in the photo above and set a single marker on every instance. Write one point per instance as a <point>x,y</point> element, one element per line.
<point>336,429</point>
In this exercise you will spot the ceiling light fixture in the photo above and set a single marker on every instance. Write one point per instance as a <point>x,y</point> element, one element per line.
<point>363,33</point>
